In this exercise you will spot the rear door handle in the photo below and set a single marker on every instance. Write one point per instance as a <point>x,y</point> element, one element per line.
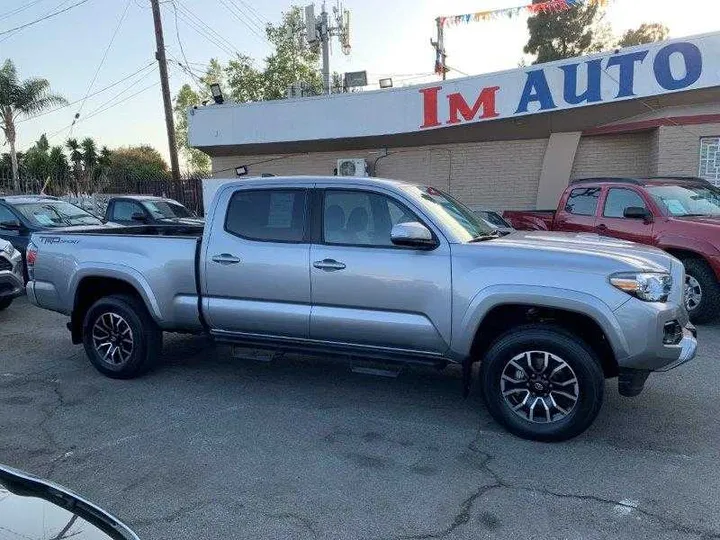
<point>329,264</point>
<point>226,258</point>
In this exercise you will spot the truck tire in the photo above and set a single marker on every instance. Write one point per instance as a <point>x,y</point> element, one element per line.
<point>542,383</point>
<point>5,303</point>
<point>120,337</point>
<point>702,291</point>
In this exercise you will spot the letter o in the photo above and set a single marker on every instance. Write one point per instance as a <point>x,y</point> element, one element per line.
<point>693,66</point>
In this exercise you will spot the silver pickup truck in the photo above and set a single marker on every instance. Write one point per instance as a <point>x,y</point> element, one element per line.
<point>379,268</point>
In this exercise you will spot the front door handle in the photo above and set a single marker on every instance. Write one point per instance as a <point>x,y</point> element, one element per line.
<point>329,264</point>
<point>226,258</point>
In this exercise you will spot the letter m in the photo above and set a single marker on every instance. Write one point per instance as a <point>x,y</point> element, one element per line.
<point>485,101</point>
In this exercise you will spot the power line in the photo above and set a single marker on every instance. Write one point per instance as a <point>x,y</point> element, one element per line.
<point>251,10</point>
<point>108,87</point>
<point>101,110</point>
<point>199,26</point>
<point>240,16</point>
<point>102,61</point>
<point>18,10</point>
<point>53,14</point>
<point>185,68</point>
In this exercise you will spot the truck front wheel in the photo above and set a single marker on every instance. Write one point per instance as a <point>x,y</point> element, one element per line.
<point>542,383</point>
<point>120,337</point>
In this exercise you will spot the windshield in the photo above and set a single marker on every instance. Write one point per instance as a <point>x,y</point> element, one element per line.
<point>452,213</point>
<point>56,214</point>
<point>166,210</point>
<point>690,200</point>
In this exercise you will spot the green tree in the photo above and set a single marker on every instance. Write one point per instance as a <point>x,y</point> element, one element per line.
<point>197,161</point>
<point>137,163</point>
<point>21,98</point>
<point>291,62</point>
<point>566,34</point>
<point>242,80</point>
<point>645,33</point>
<point>36,161</point>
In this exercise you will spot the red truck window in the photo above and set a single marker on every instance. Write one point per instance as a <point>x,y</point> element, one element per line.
<point>618,199</point>
<point>583,201</point>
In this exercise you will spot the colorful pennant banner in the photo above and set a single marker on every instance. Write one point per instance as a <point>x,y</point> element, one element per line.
<point>551,6</point>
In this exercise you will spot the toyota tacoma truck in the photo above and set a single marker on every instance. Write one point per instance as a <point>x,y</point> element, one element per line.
<point>374,268</point>
<point>680,215</point>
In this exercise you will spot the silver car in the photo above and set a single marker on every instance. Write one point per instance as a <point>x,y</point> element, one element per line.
<point>11,274</point>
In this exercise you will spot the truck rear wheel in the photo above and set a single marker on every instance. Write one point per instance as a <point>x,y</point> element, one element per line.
<point>542,383</point>
<point>120,337</point>
<point>702,291</point>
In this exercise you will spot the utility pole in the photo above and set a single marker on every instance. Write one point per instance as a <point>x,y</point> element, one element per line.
<point>320,29</point>
<point>162,62</point>
<point>325,41</point>
<point>439,46</point>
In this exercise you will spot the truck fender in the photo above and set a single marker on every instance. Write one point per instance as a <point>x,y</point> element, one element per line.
<point>123,273</point>
<point>496,295</point>
<point>702,248</point>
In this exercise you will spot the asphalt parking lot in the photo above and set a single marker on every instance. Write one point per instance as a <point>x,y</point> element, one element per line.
<point>208,446</point>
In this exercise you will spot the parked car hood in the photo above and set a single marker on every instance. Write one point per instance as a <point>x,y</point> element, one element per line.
<point>34,508</point>
<point>586,250</point>
<point>184,221</point>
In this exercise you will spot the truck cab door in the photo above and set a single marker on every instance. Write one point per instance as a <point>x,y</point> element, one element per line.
<point>579,210</point>
<point>368,293</point>
<point>256,278</point>
<point>612,220</point>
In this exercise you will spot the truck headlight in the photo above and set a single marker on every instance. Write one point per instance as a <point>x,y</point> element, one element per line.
<point>9,249</point>
<point>647,286</point>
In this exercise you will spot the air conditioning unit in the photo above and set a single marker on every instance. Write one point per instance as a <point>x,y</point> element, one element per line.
<point>351,167</point>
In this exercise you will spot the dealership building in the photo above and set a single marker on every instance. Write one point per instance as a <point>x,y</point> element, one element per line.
<point>507,140</point>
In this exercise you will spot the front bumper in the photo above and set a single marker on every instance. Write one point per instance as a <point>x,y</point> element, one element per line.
<point>688,348</point>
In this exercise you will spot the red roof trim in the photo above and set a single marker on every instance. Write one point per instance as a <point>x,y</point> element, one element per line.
<point>646,125</point>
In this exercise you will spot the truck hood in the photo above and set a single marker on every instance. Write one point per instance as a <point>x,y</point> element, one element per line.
<point>586,251</point>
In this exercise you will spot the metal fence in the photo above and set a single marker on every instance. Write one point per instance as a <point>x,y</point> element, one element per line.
<point>91,190</point>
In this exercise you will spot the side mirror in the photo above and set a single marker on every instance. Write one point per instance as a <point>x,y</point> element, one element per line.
<point>11,225</point>
<point>638,212</point>
<point>139,216</point>
<point>412,234</point>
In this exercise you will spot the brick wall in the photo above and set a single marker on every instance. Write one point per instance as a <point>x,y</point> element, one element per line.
<point>613,155</point>
<point>679,148</point>
<point>498,175</point>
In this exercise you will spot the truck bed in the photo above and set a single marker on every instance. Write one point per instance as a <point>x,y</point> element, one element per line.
<point>530,220</point>
<point>160,262</point>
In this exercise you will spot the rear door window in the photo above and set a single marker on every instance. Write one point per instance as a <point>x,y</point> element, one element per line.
<point>123,210</point>
<point>268,215</point>
<point>583,201</point>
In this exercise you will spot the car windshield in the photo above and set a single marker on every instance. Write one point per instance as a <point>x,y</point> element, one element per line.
<point>690,200</point>
<point>166,210</point>
<point>56,214</point>
<point>452,213</point>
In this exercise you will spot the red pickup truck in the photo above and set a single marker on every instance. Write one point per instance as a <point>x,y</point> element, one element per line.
<point>678,214</point>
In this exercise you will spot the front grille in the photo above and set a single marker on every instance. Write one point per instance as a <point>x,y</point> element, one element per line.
<point>5,264</point>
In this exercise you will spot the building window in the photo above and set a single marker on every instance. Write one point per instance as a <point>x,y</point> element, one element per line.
<point>710,159</point>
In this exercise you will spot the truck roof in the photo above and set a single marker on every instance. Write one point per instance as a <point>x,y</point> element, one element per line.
<point>642,181</point>
<point>284,180</point>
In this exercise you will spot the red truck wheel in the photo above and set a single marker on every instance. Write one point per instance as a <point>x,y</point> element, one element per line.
<point>702,291</point>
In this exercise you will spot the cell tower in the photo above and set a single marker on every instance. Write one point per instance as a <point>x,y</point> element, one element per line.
<point>322,29</point>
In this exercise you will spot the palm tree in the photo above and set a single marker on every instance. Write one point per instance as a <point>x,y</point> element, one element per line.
<point>76,158</point>
<point>18,98</point>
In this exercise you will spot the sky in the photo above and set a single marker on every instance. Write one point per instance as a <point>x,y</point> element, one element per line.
<point>389,38</point>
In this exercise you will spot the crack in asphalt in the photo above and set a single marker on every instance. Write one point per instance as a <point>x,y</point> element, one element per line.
<point>463,515</point>
<point>305,521</point>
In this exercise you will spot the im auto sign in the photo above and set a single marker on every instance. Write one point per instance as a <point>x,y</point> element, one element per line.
<point>636,72</point>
